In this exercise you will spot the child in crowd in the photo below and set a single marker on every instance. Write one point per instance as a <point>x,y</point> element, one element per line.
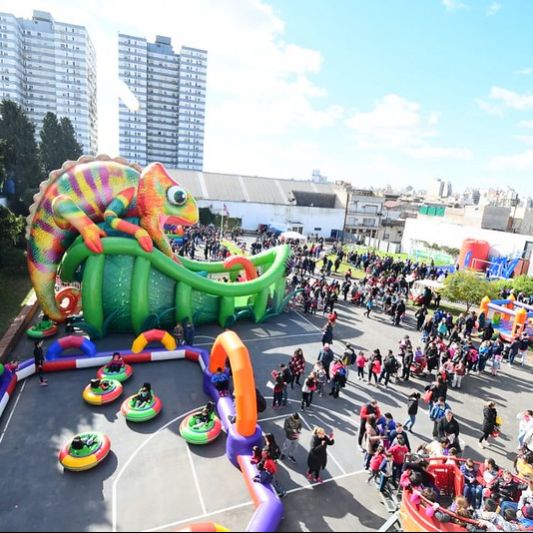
<point>116,364</point>
<point>375,464</point>
<point>361,362</point>
<point>144,397</point>
<point>221,382</point>
<point>321,377</point>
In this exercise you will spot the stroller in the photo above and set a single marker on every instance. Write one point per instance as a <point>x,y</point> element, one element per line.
<point>419,366</point>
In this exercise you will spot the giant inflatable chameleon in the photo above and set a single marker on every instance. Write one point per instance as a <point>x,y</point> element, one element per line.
<point>93,190</point>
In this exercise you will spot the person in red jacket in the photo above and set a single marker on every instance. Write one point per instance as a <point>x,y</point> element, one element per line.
<point>371,408</point>
<point>398,451</point>
<point>267,469</point>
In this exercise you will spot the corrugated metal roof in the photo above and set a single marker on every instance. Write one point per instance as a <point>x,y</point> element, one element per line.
<point>236,188</point>
<point>189,180</point>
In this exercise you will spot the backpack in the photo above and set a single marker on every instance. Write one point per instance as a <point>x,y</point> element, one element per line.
<point>350,356</point>
<point>287,376</point>
<point>342,371</point>
<point>428,395</point>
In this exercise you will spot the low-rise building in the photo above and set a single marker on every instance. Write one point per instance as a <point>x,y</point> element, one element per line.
<point>303,206</point>
<point>364,213</point>
<point>477,216</point>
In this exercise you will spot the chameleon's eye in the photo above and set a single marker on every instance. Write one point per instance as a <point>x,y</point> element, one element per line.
<point>176,196</point>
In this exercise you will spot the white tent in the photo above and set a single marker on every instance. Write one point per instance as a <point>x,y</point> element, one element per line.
<point>292,235</point>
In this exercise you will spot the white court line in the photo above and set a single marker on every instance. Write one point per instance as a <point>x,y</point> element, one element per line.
<point>130,460</point>
<point>345,417</point>
<point>308,321</point>
<point>242,505</point>
<point>275,337</point>
<point>272,418</point>
<point>12,411</point>
<point>196,481</point>
<point>318,406</point>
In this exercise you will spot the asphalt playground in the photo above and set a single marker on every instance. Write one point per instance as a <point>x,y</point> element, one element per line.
<point>153,481</point>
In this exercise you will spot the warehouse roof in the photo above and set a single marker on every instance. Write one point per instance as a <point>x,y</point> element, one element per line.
<point>237,188</point>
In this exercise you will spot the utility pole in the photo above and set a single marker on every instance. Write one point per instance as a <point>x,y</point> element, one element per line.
<point>515,201</point>
<point>345,216</point>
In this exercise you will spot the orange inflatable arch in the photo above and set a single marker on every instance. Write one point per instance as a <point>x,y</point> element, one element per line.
<point>228,345</point>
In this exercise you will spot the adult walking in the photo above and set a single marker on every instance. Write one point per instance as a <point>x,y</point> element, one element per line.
<point>489,422</point>
<point>390,367</point>
<point>326,357</point>
<point>412,411</point>
<point>327,334</point>
<point>38,357</point>
<point>293,430</point>
<point>420,316</point>
<point>448,428</point>
<point>407,362</point>
<point>371,408</point>
<point>373,438</point>
<point>318,454</point>
<point>437,413</point>
<point>297,366</point>
<point>369,306</point>
<point>439,389</point>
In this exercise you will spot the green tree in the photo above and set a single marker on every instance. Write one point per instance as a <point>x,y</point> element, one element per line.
<point>51,149</point>
<point>523,284</point>
<point>21,161</point>
<point>467,288</point>
<point>11,228</point>
<point>71,147</point>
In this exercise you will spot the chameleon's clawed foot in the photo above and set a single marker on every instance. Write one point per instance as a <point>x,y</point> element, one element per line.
<point>146,243</point>
<point>92,238</point>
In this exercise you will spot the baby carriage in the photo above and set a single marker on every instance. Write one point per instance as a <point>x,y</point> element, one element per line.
<point>419,366</point>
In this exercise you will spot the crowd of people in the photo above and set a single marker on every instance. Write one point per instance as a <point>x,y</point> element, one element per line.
<point>449,350</point>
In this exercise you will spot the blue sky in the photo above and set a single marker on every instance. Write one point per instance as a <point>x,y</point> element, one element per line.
<point>376,92</point>
<point>444,57</point>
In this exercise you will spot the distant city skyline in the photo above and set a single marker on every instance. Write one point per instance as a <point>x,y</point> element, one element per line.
<point>367,98</point>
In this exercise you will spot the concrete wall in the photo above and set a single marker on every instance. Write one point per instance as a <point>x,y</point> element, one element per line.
<point>523,222</point>
<point>281,216</point>
<point>487,217</point>
<point>383,246</point>
<point>496,218</point>
<point>437,231</point>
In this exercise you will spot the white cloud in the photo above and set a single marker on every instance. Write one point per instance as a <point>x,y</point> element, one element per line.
<point>258,83</point>
<point>526,139</point>
<point>526,124</point>
<point>493,9</point>
<point>435,152</point>
<point>453,5</point>
<point>511,99</point>
<point>397,123</point>
<point>525,71</point>
<point>491,109</point>
<point>502,99</point>
<point>516,162</point>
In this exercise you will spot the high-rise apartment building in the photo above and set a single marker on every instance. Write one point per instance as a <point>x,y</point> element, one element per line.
<point>166,123</point>
<point>437,188</point>
<point>50,66</point>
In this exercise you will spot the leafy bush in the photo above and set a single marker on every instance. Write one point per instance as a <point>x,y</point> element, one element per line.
<point>468,288</point>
